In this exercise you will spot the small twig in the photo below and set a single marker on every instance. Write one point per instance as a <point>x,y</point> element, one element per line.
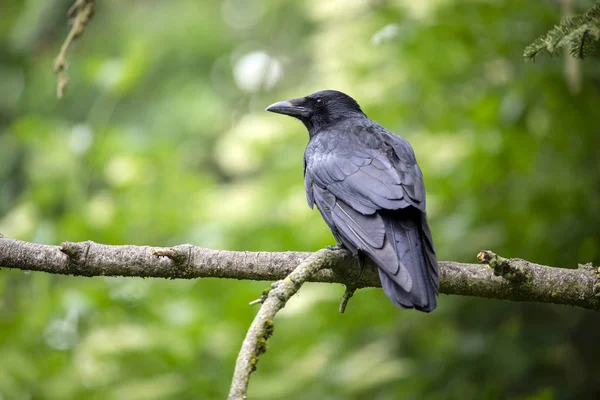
<point>263,297</point>
<point>261,329</point>
<point>348,293</point>
<point>80,13</point>
<point>257,301</point>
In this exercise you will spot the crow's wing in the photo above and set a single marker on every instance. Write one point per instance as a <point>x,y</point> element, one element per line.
<point>367,167</point>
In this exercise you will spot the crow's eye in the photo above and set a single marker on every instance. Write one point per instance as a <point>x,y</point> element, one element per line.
<point>319,102</point>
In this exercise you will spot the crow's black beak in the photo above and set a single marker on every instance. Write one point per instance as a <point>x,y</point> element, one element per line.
<point>289,107</point>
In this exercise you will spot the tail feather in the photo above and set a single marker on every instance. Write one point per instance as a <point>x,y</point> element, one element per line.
<point>408,231</point>
<point>429,251</point>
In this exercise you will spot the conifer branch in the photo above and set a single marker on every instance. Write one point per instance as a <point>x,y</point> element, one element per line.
<point>579,34</point>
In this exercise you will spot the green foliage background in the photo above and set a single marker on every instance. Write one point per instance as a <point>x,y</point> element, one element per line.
<point>162,139</point>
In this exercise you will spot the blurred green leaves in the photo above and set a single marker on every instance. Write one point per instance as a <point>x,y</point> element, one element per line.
<point>157,142</point>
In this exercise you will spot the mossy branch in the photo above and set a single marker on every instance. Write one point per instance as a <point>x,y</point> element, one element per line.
<point>255,343</point>
<point>579,34</point>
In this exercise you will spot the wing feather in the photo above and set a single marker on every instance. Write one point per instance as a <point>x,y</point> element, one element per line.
<point>368,179</point>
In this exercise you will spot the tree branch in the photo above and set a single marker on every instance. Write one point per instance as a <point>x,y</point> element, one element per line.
<point>255,343</point>
<point>576,287</point>
<point>80,14</point>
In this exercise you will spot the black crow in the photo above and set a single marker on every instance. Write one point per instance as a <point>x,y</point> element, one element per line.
<point>367,185</point>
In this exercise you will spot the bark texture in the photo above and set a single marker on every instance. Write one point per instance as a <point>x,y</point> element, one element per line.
<point>506,279</point>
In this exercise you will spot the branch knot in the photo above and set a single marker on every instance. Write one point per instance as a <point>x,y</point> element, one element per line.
<point>181,257</point>
<point>512,269</point>
<point>78,256</point>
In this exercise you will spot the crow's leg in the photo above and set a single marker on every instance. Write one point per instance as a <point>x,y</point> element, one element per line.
<point>351,288</point>
<point>360,258</point>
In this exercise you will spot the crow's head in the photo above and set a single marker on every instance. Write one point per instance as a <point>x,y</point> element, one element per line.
<point>319,109</point>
